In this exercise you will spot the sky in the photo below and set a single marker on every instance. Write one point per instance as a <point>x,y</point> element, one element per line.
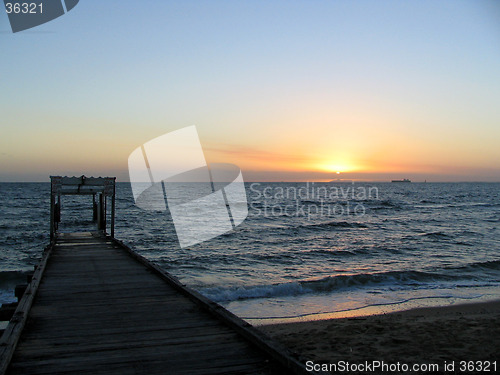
<point>287,90</point>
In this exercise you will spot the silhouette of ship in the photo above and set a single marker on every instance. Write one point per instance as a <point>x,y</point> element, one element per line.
<point>404,180</point>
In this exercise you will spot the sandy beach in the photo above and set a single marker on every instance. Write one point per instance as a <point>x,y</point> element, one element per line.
<point>451,334</point>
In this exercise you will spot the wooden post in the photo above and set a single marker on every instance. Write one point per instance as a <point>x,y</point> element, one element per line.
<point>98,211</point>
<point>94,209</point>
<point>113,199</point>
<point>57,213</point>
<point>104,211</point>
<point>101,222</point>
<point>52,204</point>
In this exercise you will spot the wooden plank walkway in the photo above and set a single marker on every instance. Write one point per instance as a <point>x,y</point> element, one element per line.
<point>101,309</point>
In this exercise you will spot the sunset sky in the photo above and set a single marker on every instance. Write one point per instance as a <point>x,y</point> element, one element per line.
<point>287,90</point>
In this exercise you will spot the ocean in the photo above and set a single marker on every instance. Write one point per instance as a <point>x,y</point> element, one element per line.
<point>306,251</point>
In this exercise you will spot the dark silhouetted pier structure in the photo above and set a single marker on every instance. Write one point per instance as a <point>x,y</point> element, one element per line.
<point>102,189</point>
<point>94,306</point>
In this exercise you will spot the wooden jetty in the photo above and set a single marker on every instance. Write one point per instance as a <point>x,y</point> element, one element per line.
<point>94,306</point>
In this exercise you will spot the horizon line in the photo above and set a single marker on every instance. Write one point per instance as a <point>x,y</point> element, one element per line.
<point>303,181</point>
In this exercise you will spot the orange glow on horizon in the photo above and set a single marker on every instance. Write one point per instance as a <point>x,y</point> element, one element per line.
<point>337,168</point>
<point>392,158</point>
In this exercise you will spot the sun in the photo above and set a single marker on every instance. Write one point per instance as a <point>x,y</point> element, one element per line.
<point>336,168</point>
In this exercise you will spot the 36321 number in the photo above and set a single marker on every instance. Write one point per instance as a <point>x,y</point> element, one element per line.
<point>24,8</point>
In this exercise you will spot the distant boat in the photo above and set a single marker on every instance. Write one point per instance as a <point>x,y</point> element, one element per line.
<point>404,180</point>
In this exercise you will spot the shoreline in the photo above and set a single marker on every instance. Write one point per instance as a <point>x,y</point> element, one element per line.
<point>485,295</point>
<point>459,332</point>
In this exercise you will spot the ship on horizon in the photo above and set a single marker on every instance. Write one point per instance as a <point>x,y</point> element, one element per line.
<point>403,180</point>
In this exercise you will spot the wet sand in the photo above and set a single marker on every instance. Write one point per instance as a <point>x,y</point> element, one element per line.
<point>467,332</point>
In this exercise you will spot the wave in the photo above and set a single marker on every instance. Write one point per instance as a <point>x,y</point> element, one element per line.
<point>488,265</point>
<point>282,229</point>
<point>429,201</point>
<point>334,253</point>
<point>327,284</point>
<point>473,204</point>
<point>386,204</point>
<point>436,235</point>
<point>336,224</point>
<point>492,220</point>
